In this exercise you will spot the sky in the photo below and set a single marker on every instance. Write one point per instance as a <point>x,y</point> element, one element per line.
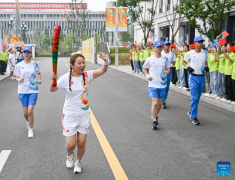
<point>93,5</point>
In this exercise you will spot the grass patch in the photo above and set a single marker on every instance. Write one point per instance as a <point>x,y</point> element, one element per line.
<point>123,59</point>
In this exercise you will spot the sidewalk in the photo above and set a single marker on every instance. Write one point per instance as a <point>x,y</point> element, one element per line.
<point>127,69</point>
<point>2,77</point>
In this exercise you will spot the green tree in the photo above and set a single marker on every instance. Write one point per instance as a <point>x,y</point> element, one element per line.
<point>97,41</point>
<point>142,12</point>
<point>173,18</point>
<point>212,13</point>
<point>78,20</point>
<point>126,36</point>
<point>85,36</point>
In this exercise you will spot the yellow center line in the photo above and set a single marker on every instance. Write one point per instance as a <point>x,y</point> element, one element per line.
<point>115,165</point>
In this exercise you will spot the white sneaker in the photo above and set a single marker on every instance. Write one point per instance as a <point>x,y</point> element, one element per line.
<point>206,94</point>
<point>77,167</point>
<point>228,101</point>
<point>218,98</point>
<point>211,96</point>
<point>179,87</point>
<point>27,124</point>
<point>30,133</point>
<point>184,88</point>
<point>69,161</point>
<point>223,99</point>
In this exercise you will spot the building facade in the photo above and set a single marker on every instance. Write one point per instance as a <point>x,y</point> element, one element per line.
<point>44,16</point>
<point>162,29</point>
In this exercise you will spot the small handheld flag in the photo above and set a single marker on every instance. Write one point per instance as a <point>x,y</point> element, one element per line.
<point>192,46</point>
<point>232,48</point>
<point>155,37</point>
<point>181,39</point>
<point>221,42</point>
<point>215,42</point>
<point>225,34</point>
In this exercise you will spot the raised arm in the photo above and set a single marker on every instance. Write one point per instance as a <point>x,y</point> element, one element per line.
<point>101,71</point>
<point>227,57</point>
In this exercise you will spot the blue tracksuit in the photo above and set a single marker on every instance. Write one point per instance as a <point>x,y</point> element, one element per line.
<point>168,85</point>
<point>197,84</point>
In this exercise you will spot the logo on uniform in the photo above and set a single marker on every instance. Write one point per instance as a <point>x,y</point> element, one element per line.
<point>67,130</point>
<point>153,62</point>
<point>72,82</point>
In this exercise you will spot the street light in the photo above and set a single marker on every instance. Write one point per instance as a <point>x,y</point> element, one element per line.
<point>11,24</point>
<point>24,29</point>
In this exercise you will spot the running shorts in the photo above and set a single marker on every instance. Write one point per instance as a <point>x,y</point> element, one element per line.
<point>157,92</point>
<point>28,99</point>
<point>73,124</point>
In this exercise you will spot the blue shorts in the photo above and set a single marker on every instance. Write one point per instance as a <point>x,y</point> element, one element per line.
<point>28,99</point>
<point>157,92</point>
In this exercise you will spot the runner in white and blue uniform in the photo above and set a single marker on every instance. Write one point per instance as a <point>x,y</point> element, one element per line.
<point>171,58</point>
<point>197,66</point>
<point>159,68</point>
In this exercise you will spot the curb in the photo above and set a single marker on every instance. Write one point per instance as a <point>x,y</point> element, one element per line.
<point>4,77</point>
<point>205,99</point>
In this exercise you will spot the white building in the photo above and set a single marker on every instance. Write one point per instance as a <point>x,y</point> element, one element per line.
<point>44,16</point>
<point>162,29</point>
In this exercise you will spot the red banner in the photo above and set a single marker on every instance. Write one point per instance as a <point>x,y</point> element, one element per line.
<point>42,5</point>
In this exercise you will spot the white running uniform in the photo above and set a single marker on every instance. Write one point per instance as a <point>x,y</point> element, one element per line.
<point>76,115</point>
<point>170,56</point>
<point>30,74</point>
<point>76,101</point>
<point>12,58</point>
<point>197,61</point>
<point>157,68</point>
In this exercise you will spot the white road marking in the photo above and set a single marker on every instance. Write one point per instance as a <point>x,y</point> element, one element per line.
<point>3,158</point>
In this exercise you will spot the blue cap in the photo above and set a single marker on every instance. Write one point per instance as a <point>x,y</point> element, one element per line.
<point>26,48</point>
<point>17,47</point>
<point>198,38</point>
<point>166,42</point>
<point>157,43</point>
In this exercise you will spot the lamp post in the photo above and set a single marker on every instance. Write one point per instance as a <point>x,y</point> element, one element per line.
<point>11,24</point>
<point>24,29</point>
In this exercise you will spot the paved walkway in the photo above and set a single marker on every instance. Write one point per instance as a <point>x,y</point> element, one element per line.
<point>218,103</point>
<point>2,77</point>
